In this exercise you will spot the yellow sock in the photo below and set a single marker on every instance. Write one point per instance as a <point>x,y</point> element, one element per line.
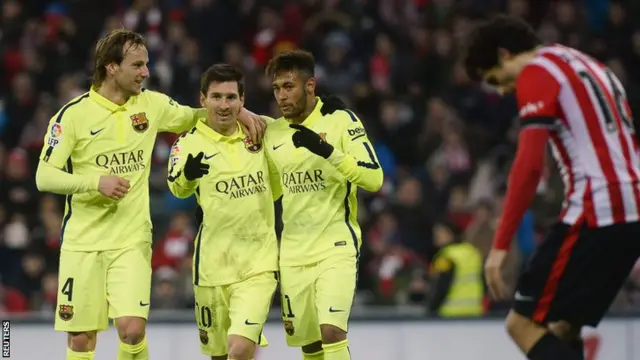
<point>313,356</point>
<point>138,351</point>
<point>75,355</point>
<point>337,351</point>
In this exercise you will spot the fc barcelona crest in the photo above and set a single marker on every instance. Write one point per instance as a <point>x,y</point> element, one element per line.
<point>65,312</point>
<point>140,122</point>
<point>204,337</point>
<point>288,327</point>
<point>250,146</point>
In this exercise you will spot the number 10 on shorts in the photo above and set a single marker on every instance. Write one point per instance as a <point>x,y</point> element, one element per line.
<point>286,307</point>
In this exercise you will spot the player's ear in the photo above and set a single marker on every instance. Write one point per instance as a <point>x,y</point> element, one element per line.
<point>311,85</point>
<point>111,68</point>
<point>202,99</point>
<point>241,100</point>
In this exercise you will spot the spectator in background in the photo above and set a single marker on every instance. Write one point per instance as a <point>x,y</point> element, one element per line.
<point>18,191</point>
<point>176,244</point>
<point>456,273</point>
<point>12,300</point>
<point>166,294</point>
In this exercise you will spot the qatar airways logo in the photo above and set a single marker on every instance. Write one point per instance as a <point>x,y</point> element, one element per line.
<point>304,181</point>
<point>531,108</point>
<point>122,162</point>
<point>242,186</point>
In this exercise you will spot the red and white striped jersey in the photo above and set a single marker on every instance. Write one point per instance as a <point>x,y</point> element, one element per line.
<point>591,133</point>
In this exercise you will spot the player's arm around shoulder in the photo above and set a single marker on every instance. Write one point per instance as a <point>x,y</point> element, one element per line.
<point>354,156</point>
<point>172,116</point>
<point>182,178</point>
<point>274,175</point>
<point>55,172</point>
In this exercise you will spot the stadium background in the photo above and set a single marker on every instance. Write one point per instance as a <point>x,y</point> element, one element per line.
<point>444,143</point>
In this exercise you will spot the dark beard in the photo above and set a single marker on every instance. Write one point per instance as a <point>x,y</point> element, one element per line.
<point>300,108</point>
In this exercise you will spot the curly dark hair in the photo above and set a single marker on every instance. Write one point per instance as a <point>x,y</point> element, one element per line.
<point>300,60</point>
<point>501,32</point>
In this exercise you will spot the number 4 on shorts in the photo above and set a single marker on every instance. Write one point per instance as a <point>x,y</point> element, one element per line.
<point>67,289</point>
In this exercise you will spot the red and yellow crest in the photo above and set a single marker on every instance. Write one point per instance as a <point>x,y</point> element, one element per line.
<point>65,312</point>
<point>250,146</point>
<point>140,122</point>
<point>288,327</point>
<point>204,337</point>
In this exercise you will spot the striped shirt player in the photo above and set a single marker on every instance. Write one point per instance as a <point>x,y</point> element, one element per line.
<point>575,104</point>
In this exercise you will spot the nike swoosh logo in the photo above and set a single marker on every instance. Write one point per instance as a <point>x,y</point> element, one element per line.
<point>331,309</point>
<point>247,322</point>
<point>96,132</point>
<point>210,156</point>
<point>275,147</point>
<point>143,304</point>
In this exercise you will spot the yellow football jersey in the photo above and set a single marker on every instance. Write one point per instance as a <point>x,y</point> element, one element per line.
<point>91,136</point>
<point>236,237</point>
<point>320,195</point>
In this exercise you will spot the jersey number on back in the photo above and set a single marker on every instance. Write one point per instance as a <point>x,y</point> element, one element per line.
<point>619,99</point>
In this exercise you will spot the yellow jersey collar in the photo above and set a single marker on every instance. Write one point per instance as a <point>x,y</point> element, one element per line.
<point>103,101</point>
<point>216,136</point>
<point>315,114</point>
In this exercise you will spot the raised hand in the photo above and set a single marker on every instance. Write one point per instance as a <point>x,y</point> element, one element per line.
<point>194,168</point>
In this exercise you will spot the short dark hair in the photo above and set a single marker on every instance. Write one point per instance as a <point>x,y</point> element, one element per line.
<point>110,49</point>
<point>501,32</point>
<point>299,60</point>
<point>221,73</point>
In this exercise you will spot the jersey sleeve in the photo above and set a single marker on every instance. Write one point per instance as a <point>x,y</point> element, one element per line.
<point>358,161</point>
<point>59,141</point>
<point>178,184</point>
<point>174,117</point>
<point>52,179</point>
<point>537,93</point>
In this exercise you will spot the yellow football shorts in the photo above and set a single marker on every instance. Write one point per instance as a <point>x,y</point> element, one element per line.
<point>236,309</point>
<point>96,286</point>
<point>315,294</point>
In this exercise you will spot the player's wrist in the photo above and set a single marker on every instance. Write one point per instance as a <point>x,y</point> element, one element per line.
<point>93,182</point>
<point>186,178</point>
<point>325,150</point>
<point>337,158</point>
<point>501,245</point>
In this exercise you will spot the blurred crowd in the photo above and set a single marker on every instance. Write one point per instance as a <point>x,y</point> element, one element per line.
<point>445,144</point>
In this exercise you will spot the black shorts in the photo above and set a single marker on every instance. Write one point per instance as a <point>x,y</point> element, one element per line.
<point>577,272</point>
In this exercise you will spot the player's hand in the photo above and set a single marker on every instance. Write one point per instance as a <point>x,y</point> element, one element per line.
<point>331,103</point>
<point>252,125</point>
<point>493,274</point>
<point>113,187</point>
<point>307,138</point>
<point>194,168</point>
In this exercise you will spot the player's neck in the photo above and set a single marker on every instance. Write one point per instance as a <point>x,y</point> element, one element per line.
<point>305,114</point>
<point>110,91</point>
<point>223,129</point>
